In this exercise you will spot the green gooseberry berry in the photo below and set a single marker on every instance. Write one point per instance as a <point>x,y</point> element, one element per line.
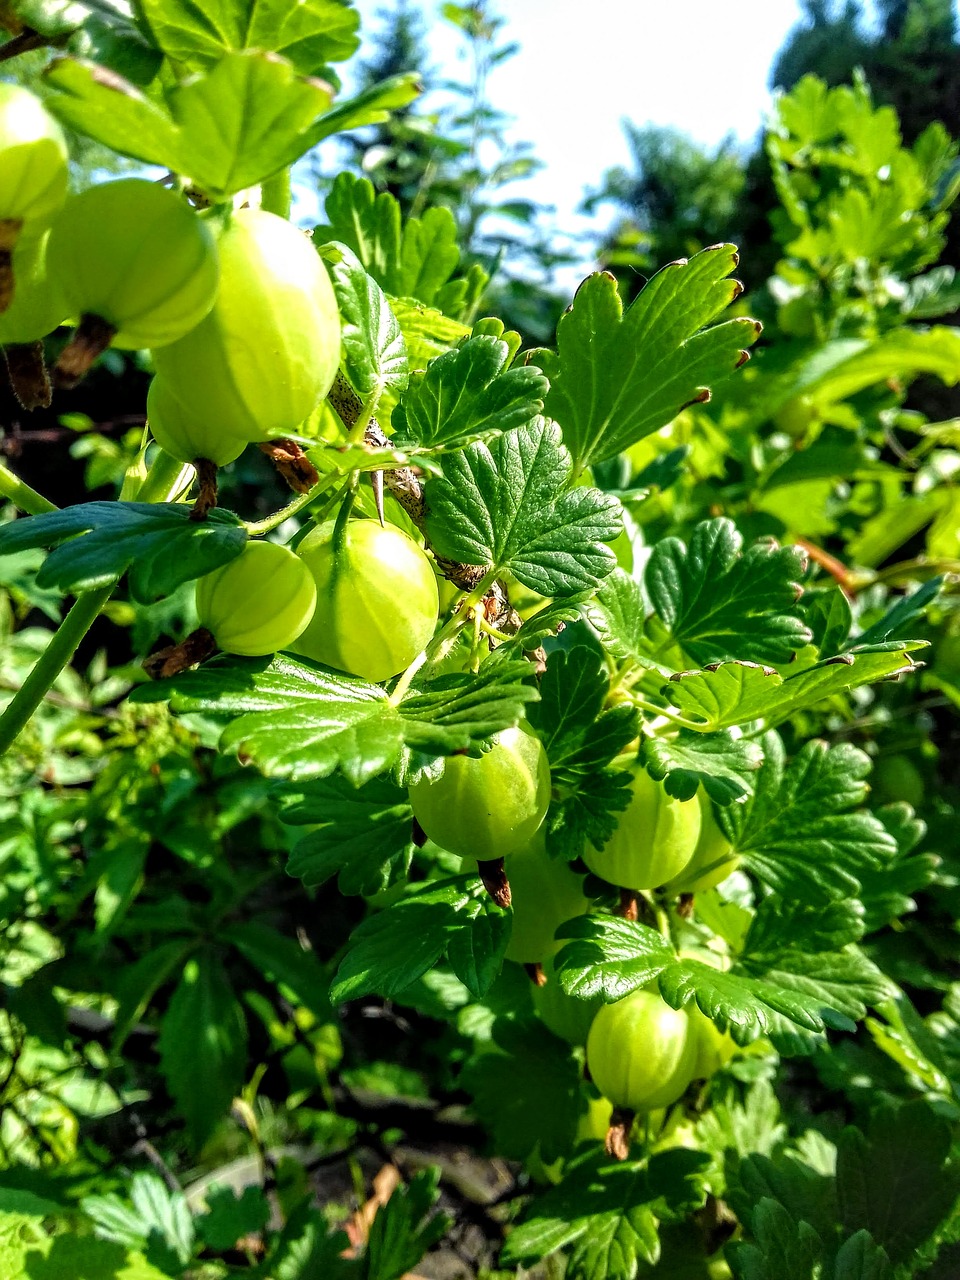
<point>377,599</point>
<point>33,175</point>
<point>184,437</point>
<point>267,353</point>
<point>135,263</point>
<point>259,602</point>
<point>488,806</point>
<point>654,839</point>
<point>641,1053</point>
<point>38,305</point>
<point>713,859</point>
<point>545,892</point>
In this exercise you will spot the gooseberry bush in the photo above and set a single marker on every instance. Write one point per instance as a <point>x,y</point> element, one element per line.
<point>543,683</point>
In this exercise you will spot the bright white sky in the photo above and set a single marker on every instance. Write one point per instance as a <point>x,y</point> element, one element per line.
<point>585,65</point>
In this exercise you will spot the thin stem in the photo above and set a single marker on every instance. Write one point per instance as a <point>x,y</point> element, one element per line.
<point>451,628</point>
<point>50,663</point>
<point>71,631</point>
<point>257,527</point>
<point>165,478</point>
<point>276,195</point>
<point>21,495</point>
<point>679,721</point>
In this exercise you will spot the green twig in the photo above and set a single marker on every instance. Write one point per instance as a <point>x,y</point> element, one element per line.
<point>450,630</point>
<point>255,528</point>
<point>50,663</point>
<point>21,495</point>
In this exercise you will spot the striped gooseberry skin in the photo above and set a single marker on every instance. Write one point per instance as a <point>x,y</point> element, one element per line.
<point>654,839</point>
<point>545,893</point>
<point>136,255</point>
<point>33,159</point>
<point>489,806</point>
<point>377,599</point>
<point>267,353</point>
<point>713,859</point>
<point>185,436</point>
<point>641,1053</point>
<point>259,602</point>
<point>38,305</point>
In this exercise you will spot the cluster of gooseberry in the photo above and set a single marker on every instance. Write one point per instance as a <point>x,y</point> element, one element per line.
<point>642,1054</point>
<point>239,316</point>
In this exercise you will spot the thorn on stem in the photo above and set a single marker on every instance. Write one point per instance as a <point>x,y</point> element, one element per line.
<point>685,906</point>
<point>536,974</point>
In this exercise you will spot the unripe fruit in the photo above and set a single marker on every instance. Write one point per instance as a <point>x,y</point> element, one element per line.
<point>33,158</point>
<point>641,1053</point>
<point>654,839</point>
<point>545,893</point>
<point>33,175</point>
<point>488,807</point>
<point>268,352</point>
<point>259,602</point>
<point>185,439</point>
<point>566,1016</point>
<point>38,306</point>
<point>135,256</point>
<point>712,859</point>
<point>377,599</point>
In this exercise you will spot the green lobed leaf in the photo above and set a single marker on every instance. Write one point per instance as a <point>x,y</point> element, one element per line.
<point>733,693</point>
<point>310,33</point>
<point>721,603</point>
<point>609,1211</point>
<point>581,738</point>
<point>364,837</point>
<point>203,1045</point>
<point>229,1216</point>
<point>797,832</point>
<point>374,351</point>
<point>899,619</point>
<point>896,1180</point>
<point>506,506</point>
<point>392,949</point>
<point>404,1229</point>
<point>226,129</point>
<point>526,1091</point>
<point>782,1248</point>
<point>294,718</point>
<point>157,543</point>
<point>612,957</point>
<point>618,614</point>
<point>622,375</point>
<point>469,394</point>
<point>282,960</point>
<point>411,258</point>
<point>150,1217</point>
<point>723,765</point>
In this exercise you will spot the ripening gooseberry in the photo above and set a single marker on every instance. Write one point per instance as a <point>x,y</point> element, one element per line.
<point>38,306</point>
<point>566,1016</point>
<point>545,892</point>
<point>135,263</point>
<point>713,859</point>
<point>268,352</point>
<point>488,806</point>
<point>33,174</point>
<point>259,602</point>
<point>641,1053</point>
<point>377,599</point>
<point>183,437</point>
<point>654,839</point>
